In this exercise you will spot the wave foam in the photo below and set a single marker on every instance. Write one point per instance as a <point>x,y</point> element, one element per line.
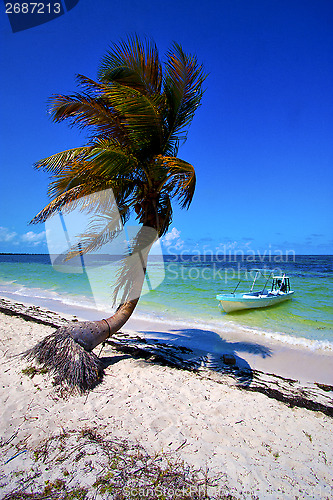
<point>54,301</point>
<point>280,337</point>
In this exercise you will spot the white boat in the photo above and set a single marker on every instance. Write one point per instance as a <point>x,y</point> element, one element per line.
<point>279,291</point>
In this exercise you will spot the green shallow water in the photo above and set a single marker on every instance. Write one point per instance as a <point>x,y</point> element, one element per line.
<point>188,293</point>
<point>187,290</point>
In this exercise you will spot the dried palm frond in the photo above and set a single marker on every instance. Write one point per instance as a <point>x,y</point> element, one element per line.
<point>63,356</point>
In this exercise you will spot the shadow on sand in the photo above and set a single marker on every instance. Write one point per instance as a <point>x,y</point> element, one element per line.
<point>191,349</point>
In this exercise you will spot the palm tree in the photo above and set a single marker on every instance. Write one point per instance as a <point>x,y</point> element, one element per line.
<point>137,114</point>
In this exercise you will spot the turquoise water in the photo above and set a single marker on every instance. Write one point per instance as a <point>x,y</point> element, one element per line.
<point>187,292</point>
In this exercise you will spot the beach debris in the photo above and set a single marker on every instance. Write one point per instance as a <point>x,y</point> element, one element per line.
<point>31,313</point>
<point>13,436</point>
<point>31,371</point>
<point>313,396</point>
<point>325,387</point>
<point>111,468</point>
<point>182,445</point>
<point>17,454</point>
<point>156,352</point>
<point>229,359</point>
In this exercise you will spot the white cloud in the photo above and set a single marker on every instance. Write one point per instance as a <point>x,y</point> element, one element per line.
<point>227,247</point>
<point>6,235</point>
<point>171,236</point>
<point>173,239</point>
<point>33,238</point>
<point>13,238</point>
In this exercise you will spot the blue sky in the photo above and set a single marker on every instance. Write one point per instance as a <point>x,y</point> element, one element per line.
<point>261,142</point>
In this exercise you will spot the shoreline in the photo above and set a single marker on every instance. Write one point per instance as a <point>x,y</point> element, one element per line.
<point>256,351</point>
<point>187,349</point>
<point>86,309</point>
<point>252,443</point>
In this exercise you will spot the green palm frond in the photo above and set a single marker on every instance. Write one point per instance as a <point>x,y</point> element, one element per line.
<point>141,116</point>
<point>70,198</point>
<point>74,197</point>
<point>132,64</point>
<point>91,87</point>
<point>82,110</point>
<point>135,118</point>
<point>179,180</point>
<point>118,111</point>
<point>55,163</point>
<point>105,160</point>
<point>183,90</point>
<point>109,159</point>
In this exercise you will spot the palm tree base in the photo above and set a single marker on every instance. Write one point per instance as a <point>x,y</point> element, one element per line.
<point>72,364</point>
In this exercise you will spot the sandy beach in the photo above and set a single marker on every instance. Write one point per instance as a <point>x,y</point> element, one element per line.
<point>248,430</point>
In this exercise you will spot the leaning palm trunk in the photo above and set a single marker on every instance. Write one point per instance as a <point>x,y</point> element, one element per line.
<point>68,351</point>
<point>89,334</point>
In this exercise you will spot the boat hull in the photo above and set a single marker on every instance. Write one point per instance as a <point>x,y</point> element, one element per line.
<point>237,302</point>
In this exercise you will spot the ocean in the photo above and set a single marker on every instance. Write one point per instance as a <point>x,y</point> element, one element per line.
<point>182,290</point>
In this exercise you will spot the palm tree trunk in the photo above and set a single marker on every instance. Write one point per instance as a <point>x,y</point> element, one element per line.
<point>68,351</point>
<point>89,334</point>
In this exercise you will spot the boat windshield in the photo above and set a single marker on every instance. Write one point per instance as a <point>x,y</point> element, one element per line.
<point>278,283</point>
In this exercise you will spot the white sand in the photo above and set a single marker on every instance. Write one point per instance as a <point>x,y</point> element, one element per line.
<point>252,351</point>
<point>258,351</point>
<point>259,447</point>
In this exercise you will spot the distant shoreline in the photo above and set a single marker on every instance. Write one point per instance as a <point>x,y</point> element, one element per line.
<point>202,254</point>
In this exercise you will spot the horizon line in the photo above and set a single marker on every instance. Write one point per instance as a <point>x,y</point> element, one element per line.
<point>203,254</point>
